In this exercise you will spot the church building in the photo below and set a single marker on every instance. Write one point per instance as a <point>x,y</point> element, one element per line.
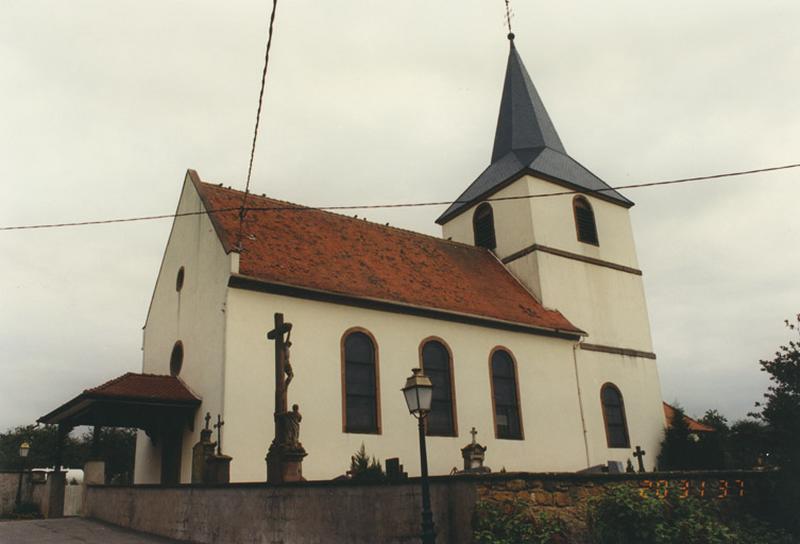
<point>528,315</point>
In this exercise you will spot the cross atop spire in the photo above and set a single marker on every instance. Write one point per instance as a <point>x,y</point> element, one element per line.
<point>509,14</point>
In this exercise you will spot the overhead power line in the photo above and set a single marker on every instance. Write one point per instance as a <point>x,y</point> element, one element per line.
<point>242,208</point>
<point>713,177</point>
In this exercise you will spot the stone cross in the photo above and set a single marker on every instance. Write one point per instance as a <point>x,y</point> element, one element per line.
<point>639,454</point>
<point>208,419</point>
<point>474,433</point>
<point>218,427</point>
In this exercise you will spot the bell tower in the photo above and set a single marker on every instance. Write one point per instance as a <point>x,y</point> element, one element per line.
<point>560,229</point>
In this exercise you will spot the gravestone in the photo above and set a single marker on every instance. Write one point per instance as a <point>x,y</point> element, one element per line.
<point>201,453</point>
<point>474,455</point>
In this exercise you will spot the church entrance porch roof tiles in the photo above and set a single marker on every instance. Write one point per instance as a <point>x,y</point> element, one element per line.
<point>297,246</point>
<point>143,401</point>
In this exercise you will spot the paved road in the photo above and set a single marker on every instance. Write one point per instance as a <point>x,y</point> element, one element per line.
<point>71,531</point>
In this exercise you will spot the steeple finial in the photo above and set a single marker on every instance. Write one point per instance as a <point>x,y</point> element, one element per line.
<point>509,15</point>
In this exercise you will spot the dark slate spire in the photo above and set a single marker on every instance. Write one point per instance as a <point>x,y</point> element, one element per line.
<point>523,122</point>
<point>526,142</point>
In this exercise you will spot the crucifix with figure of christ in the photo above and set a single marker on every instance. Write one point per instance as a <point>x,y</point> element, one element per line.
<point>285,455</point>
<point>280,335</point>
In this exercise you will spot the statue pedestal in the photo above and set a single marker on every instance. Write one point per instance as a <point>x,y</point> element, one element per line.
<point>219,469</point>
<point>201,453</point>
<point>285,463</point>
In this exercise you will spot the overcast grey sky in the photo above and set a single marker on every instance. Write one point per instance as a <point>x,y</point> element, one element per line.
<point>104,105</point>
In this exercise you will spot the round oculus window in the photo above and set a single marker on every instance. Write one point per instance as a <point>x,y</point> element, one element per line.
<point>176,359</point>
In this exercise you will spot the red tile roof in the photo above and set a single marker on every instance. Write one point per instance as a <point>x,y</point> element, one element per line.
<point>144,386</point>
<point>694,425</point>
<point>320,250</point>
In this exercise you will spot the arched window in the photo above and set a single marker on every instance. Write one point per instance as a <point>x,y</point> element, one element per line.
<point>614,417</point>
<point>360,383</point>
<point>584,221</point>
<point>505,395</point>
<point>483,225</point>
<point>436,362</point>
<point>176,359</point>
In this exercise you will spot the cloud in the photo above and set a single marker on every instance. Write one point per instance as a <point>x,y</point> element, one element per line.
<point>105,105</point>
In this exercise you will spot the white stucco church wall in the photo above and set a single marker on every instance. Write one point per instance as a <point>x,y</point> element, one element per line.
<point>194,316</point>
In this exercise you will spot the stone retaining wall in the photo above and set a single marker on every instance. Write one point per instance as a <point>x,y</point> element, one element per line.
<point>342,511</point>
<point>566,496</point>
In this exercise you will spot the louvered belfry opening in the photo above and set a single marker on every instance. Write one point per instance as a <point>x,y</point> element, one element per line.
<point>483,225</point>
<point>584,221</point>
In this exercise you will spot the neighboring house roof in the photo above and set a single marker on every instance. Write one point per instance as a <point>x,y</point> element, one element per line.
<point>298,246</point>
<point>526,142</point>
<point>694,425</point>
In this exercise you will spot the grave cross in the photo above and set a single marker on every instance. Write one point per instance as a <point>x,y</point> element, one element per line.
<point>208,419</point>
<point>218,427</point>
<point>474,433</point>
<point>639,454</point>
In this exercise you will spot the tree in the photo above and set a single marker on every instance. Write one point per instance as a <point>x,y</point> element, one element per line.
<point>713,418</point>
<point>678,446</point>
<point>43,441</point>
<point>780,412</point>
<point>364,469</point>
<point>116,448</point>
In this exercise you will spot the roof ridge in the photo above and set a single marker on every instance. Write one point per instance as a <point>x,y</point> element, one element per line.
<point>107,383</point>
<point>344,216</point>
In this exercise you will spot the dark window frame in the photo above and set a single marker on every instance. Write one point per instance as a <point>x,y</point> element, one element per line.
<point>623,416</point>
<point>376,361</point>
<point>453,411</point>
<point>485,220</point>
<point>585,221</point>
<point>518,405</point>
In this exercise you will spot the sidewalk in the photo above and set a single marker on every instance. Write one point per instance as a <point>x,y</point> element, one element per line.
<point>71,530</point>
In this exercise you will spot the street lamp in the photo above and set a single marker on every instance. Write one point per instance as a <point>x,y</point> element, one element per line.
<point>24,449</point>
<point>419,394</point>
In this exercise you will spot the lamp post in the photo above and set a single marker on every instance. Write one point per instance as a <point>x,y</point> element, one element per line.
<point>419,394</point>
<point>24,448</point>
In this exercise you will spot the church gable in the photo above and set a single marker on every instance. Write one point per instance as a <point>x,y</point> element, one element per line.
<point>293,245</point>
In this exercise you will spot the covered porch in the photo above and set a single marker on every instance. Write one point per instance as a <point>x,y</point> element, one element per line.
<point>162,406</point>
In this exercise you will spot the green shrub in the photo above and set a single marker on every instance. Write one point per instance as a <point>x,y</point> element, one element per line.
<point>623,516</point>
<point>364,469</point>
<point>514,523</point>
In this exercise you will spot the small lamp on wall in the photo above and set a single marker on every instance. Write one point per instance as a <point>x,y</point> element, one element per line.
<point>419,396</point>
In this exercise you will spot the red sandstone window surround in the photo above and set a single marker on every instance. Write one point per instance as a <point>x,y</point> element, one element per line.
<point>505,395</point>
<point>436,360</point>
<point>614,417</point>
<point>360,383</point>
